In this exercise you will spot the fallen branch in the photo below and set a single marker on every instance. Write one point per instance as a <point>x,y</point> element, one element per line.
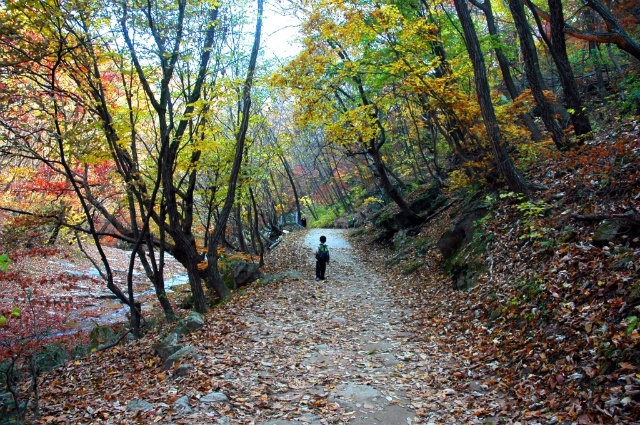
<point>113,344</point>
<point>632,218</point>
<point>273,245</point>
<point>435,214</point>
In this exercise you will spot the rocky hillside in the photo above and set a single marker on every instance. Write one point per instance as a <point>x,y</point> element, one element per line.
<point>541,294</point>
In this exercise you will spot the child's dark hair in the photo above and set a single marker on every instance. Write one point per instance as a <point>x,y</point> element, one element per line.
<point>323,239</point>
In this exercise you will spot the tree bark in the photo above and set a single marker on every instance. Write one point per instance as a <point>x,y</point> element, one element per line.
<point>505,69</point>
<point>287,169</point>
<point>212,250</point>
<point>532,69</point>
<point>503,161</point>
<point>558,48</point>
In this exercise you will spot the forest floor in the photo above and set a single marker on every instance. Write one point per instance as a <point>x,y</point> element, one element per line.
<point>343,350</point>
<point>548,335</point>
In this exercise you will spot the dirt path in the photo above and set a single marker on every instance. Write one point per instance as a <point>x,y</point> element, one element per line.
<point>348,339</point>
<point>295,350</point>
<point>338,351</point>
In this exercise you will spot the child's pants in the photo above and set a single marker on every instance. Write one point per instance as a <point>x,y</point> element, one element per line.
<point>321,267</point>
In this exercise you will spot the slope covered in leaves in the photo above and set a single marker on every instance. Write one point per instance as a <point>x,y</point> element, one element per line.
<point>552,321</point>
<point>548,335</point>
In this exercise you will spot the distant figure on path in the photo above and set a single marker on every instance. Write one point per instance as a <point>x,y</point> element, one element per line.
<point>303,221</point>
<point>322,258</point>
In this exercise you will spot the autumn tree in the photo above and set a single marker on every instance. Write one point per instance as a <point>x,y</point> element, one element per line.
<point>501,158</point>
<point>148,120</point>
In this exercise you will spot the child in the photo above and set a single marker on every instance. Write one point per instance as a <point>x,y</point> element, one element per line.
<point>322,258</point>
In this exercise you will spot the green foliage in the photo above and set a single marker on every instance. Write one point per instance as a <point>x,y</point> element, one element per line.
<point>531,212</point>
<point>357,194</point>
<point>4,262</point>
<point>326,216</point>
<point>632,323</point>
<point>14,314</point>
<point>412,267</point>
<point>631,104</point>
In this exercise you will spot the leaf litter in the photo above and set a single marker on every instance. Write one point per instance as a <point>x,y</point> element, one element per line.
<point>547,336</point>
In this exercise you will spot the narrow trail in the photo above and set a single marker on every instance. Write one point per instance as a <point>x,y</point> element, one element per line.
<point>345,350</point>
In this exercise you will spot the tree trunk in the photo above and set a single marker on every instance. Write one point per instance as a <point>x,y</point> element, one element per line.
<point>242,243</point>
<point>579,117</point>
<point>558,47</point>
<point>503,63</point>
<point>532,69</point>
<point>215,237</point>
<point>503,161</point>
<point>256,227</point>
<point>287,169</point>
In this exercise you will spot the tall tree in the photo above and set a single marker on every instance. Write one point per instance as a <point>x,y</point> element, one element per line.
<point>558,48</point>
<point>534,78</point>
<point>501,158</point>
<point>216,235</point>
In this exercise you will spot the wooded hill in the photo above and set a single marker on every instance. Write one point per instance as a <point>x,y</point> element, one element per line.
<point>161,127</point>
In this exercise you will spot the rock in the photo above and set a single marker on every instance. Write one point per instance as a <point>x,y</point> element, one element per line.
<point>214,398</point>
<point>168,346</point>
<point>101,335</point>
<point>142,405</point>
<point>292,274</point>
<point>186,303</point>
<point>194,321</point>
<point>428,202</point>
<point>606,233</point>
<point>462,252</point>
<point>245,273</point>
<point>461,233</point>
<point>339,320</point>
<point>93,273</point>
<point>182,405</point>
<point>176,357</point>
<point>180,329</point>
<point>6,402</point>
<point>356,392</point>
<point>183,370</point>
<point>399,239</point>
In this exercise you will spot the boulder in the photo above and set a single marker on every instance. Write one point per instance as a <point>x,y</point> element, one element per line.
<point>182,405</point>
<point>177,357</point>
<point>168,346</point>
<point>142,405</point>
<point>606,233</point>
<point>214,397</point>
<point>428,202</point>
<point>183,370</point>
<point>461,252</point>
<point>461,233</point>
<point>245,273</point>
<point>186,303</point>
<point>194,321</point>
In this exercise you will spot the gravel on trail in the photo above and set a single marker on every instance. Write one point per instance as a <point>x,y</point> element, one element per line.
<point>341,352</point>
<point>294,350</point>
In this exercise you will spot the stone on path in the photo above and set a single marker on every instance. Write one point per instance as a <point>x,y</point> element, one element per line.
<point>136,405</point>
<point>182,405</point>
<point>215,397</point>
<point>356,392</point>
<point>177,357</point>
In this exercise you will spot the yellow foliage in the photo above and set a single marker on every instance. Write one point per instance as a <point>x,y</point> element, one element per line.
<point>372,200</point>
<point>458,179</point>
